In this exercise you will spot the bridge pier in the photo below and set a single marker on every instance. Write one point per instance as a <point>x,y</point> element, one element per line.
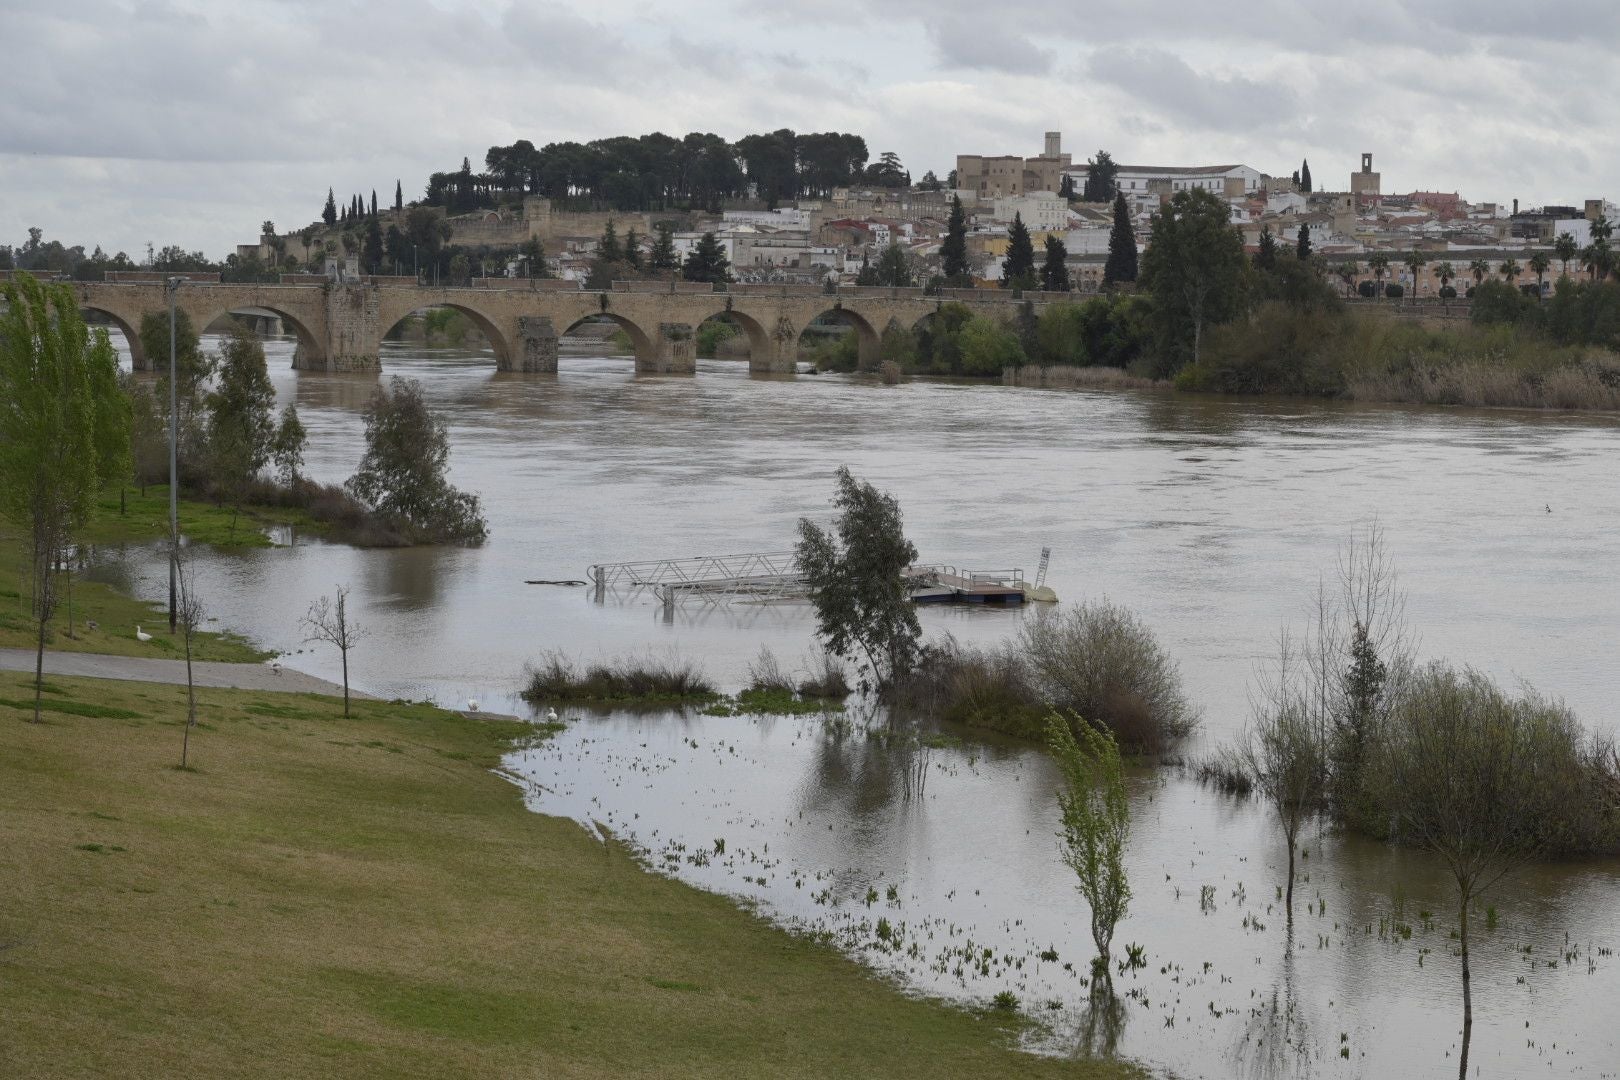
<point>536,347</point>
<point>776,352</point>
<point>674,351</point>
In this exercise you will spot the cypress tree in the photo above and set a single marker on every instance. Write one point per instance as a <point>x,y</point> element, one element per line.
<point>953,253</point>
<point>373,202</point>
<point>1305,177</point>
<point>399,196</point>
<point>1018,268</point>
<point>1266,257</point>
<point>1055,271</point>
<point>632,248</point>
<point>608,249</point>
<point>1121,265</point>
<point>329,213</point>
<point>1302,250</point>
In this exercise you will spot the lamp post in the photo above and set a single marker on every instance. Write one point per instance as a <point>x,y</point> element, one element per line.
<point>174,477</point>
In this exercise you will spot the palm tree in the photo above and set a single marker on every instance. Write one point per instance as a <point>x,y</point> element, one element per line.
<point>1445,272</point>
<point>1510,269</point>
<point>1479,268</point>
<point>1597,259</point>
<point>1379,265</point>
<point>1539,264</point>
<point>1348,271</point>
<point>1566,249</point>
<point>1415,261</point>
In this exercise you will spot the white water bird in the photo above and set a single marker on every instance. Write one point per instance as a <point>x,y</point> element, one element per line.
<point>142,635</point>
<point>472,704</point>
<point>551,714</point>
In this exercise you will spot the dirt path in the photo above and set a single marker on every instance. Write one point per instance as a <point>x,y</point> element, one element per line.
<point>153,669</point>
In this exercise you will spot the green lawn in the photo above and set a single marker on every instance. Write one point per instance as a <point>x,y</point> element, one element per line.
<point>330,897</point>
<point>128,516</point>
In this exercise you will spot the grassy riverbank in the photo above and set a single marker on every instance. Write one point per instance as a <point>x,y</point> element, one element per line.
<point>364,898</point>
<point>114,614</point>
<point>133,517</point>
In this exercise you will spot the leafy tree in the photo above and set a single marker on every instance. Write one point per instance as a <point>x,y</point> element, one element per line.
<point>268,228</point>
<point>328,620</point>
<point>241,422</point>
<point>632,249</point>
<point>402,475</point>
<point>1539,265</point>
<point>1302,246</point>
<point>1096,815</point>
<point>534,258</point>
<point>1018,268</point>
<point>1194,269</point>
<point>64,430</point>
<point>287,448</point>
<point>1347,271</point>
<point>867,274</point>
<point>1121,264</point>
<point>953,253</point>
<point>894,267</point>
<point>460,272</point>
<point>193,368</point>
<point>855,572</point>
<point>1266,255</point>
<point>988,347</point>
<point>930,182</point>
<point>1055,270</point>
<point>663,252</point>
<point>1415,261</point>
<point>1566,249</point>
<point>707,261</point>
<point>1305,177</point>
<point>1468,783</point>
<point>1101,178</point>
<point>329,212</point>
<point>149,434</point>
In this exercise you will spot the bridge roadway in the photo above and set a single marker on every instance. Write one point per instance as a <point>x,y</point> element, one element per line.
<point>340,326</point>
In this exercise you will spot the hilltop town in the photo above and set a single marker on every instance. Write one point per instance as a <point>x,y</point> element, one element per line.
<point>502,226</point>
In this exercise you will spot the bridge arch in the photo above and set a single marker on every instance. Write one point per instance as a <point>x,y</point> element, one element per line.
<point>499,343</point>
<point>757,336</point>
<point>642,343</point>
<point>393,310</point>
<point>867,336</point>
<point>310,345</point>
<point>130,330</point>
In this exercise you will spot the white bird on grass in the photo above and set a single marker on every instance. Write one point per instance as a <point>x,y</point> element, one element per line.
<point>142,635</point>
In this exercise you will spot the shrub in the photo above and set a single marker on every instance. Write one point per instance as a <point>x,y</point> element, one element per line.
<point>1100,661</point>
<point>625,679</point>
<point>1367,290</point>
<point>826,680</point>
<point>1448,292</point>
<point>1394,290</point>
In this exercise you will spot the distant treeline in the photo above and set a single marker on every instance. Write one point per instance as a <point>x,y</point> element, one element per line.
<point>658,171</point>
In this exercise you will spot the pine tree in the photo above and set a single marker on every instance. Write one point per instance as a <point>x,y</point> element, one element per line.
<point>708,261</point>
<point>1018,268</point>
<point>1055,271</point>
<point>608,249</point>
<point>1100,178</point>
<point>1305,177</point>
<point>953,253</point>
<point>1121,265</point>
<point>329,214</point>
<point>399,196</point>
<point>1302,250</point>
<point>632,248</point>
<point>663,252</point>
<point>1266,257</point>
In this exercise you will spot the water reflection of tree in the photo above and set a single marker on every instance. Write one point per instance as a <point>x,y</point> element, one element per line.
<point>1276,1041</point>
<point>406,579</point>
<point>1102,1022</point>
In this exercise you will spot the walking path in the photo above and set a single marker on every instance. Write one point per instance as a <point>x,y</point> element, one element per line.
<point>213,673</point>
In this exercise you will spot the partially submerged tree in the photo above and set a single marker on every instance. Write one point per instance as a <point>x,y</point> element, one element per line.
<point>287,449</point>
<point>241,418</point>
<point>402,475</point>
<point>62,420</point>
<point>328,620</point>
<point>855,572</point>
<point>1096,817</point>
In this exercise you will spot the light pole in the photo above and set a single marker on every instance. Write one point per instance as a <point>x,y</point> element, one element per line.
<point>174,477</point>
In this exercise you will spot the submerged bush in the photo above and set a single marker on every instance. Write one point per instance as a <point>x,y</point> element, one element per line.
<point>623,680</point>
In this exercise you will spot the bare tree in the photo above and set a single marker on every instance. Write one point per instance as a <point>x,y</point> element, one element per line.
<point>188,617</point>
<point>1471,779</point>
<point>328,620</point>
<point>1283,750</point>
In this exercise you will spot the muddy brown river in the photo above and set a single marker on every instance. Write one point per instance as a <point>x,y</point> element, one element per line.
<point>1210,518</point>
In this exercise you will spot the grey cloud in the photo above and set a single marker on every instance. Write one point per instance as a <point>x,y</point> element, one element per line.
<point>1165,82</point>
<point>977,44</point>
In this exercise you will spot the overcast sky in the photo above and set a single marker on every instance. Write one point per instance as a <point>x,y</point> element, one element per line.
<point>191,122</point>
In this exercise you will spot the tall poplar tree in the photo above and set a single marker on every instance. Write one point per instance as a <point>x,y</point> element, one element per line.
<point>1121,265</point>
<point>329,213</point>
<point>1018,268</point>
<point>953,253</point>
<point>64,430</point>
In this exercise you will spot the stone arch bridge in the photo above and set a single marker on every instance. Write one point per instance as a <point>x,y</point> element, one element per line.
<point>340,326</point>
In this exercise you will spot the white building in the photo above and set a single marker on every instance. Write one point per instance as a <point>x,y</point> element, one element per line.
<point>1046,211</point>
<point>1169,179</point>
<point>684,242</point>
<point>788,218</point>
